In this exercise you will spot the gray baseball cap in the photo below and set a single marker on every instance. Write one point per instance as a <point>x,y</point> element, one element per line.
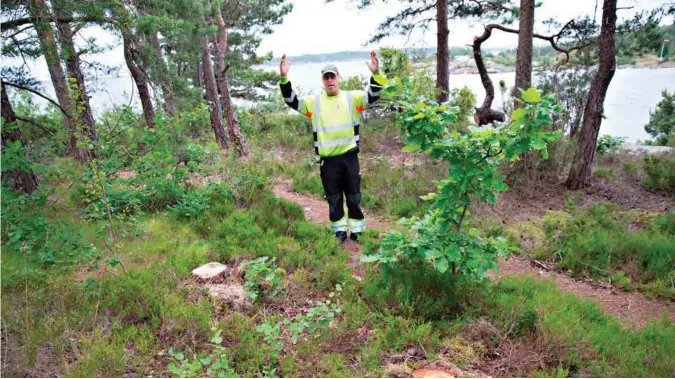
<point>329,68</point>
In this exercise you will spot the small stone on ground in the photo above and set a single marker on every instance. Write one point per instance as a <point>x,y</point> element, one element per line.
<point>211,272</point>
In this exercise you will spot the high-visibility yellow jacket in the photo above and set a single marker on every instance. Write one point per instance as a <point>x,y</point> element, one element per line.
<point>335,119</point>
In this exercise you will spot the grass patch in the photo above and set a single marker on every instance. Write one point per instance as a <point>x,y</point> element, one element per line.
<point>603,242</point>
<point>574,335</point>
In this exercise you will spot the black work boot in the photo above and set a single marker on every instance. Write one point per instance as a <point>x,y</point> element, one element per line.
<point>341,236</point>
<point>355,237</point>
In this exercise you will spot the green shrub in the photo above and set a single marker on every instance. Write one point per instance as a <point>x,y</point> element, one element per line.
<point>609,144</point>
<point>263,278</point>
<point>661,124</point>
<point>660,172</point>
<point>25,229</point>
<point>597,242</point>
<point>436,238</point>
<point>193,203</point>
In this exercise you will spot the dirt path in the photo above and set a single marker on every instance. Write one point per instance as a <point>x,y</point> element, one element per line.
<point>631,307</point>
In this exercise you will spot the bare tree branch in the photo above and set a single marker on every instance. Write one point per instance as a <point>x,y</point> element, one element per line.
<point>11,24</point>
<point>553,39</point>
<point>30,121</point>
<point>19,31</point>
<point>36,93</point>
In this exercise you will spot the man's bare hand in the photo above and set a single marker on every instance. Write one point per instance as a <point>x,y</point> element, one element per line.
<point>374,64</point>
<point>284,66</point>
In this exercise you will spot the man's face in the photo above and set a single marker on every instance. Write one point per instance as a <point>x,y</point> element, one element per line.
<point>331,82</point>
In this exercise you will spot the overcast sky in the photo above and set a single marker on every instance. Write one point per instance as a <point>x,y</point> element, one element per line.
<point>315,27</point>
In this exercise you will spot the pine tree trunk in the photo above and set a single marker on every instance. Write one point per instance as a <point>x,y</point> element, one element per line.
<point>524,53</point>
<point>17,179</point>
<point>580,172</point>
<point>130,46</point>
<point>38,9</point>
<point>233,129</point>
<point>82,114</point>
<point>212,96</point>
<point>442,51</point>
<point>199,74</point>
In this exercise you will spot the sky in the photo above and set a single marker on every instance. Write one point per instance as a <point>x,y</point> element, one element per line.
<point>314,27</point>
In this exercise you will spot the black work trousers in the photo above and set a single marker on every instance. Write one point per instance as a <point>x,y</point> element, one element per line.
<point>341,177</point>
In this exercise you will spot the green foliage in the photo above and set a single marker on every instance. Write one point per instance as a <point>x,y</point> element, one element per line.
<point>316,317</point>
<point>271,335</point>
<point>504,58</point>
<point>14,157</point>
<point>608,144</point>
<point>570,88</point>
<point>191,204</point>
<point>646,39</point>
<point>216,364</point>
<point>597,242</point>
<point>353,83</point>
<point>464,100</point>
<point>394,62</point>
<point>418,290</point>
<point>263,277</point>
<point>660,172</point>
<point>122,201</point>
<point>26,230</point>
<point>661,124</point>
<point>194,122</point>
<point>473,160</point>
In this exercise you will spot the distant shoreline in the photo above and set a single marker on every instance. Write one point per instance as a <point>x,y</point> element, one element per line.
<point>467,67</point>
<point>460,64</point>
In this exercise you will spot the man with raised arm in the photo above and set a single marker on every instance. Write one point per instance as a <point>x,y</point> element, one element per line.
<point>336,118</point>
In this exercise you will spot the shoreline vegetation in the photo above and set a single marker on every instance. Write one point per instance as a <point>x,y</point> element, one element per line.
<point>496,61</point>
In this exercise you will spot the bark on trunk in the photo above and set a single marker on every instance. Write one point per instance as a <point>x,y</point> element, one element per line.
<point>581,166</point>
<point>212,96</point>
<point>131,46</point>
<point>81,112</point>
<point>485,114</point>
<point>17,179</point>
<point>524,53</point>
<point>233,129</point>
<point>198,74</point>
<point>38,9</point>
<point>442,52</point>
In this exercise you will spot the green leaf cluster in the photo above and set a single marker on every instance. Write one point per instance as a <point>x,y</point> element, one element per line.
<point>263,277</point>
<point>473,159</point>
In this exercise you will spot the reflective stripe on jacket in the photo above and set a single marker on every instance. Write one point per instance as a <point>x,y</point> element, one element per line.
<point>335,119</point>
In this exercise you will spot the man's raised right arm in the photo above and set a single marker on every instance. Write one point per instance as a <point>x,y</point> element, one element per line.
<point>290,97</point>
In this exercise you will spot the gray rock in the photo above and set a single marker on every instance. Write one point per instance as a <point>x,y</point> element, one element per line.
<point>212,272</point>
